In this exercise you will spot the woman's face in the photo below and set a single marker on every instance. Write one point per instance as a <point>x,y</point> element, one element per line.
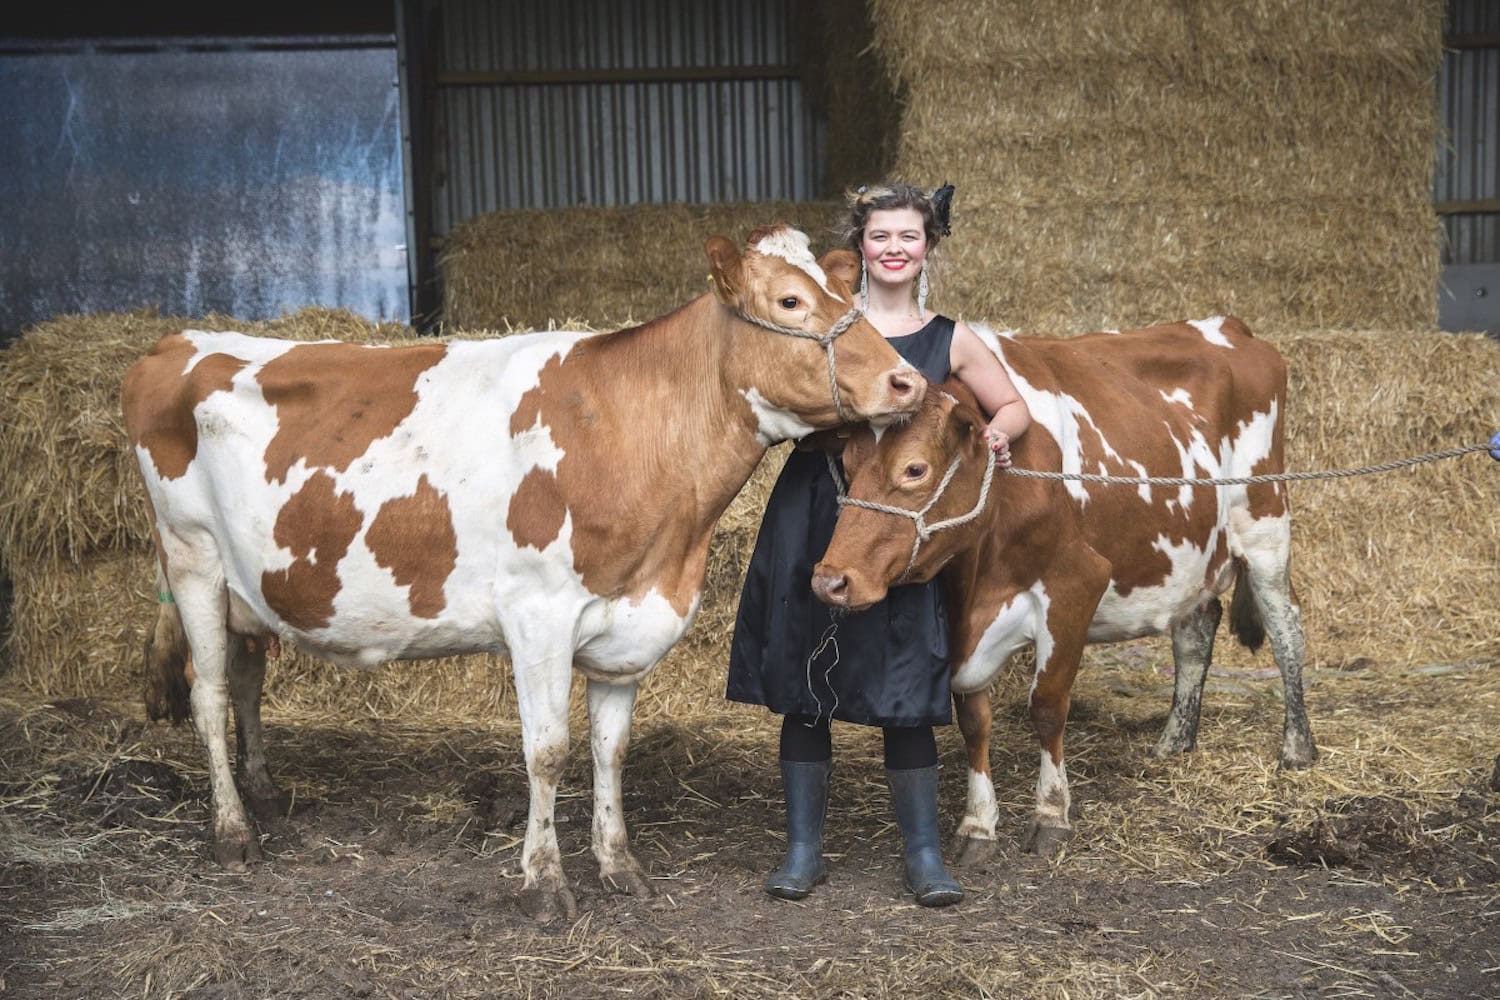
<point>894,245</point>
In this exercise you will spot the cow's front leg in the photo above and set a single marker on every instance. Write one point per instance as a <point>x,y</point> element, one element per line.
<point>542,685</point>
<point>974,841</point>
<point>247,674</point>
<point>1059,649</point>
<point>610,708</point>
<point>1192,651</point>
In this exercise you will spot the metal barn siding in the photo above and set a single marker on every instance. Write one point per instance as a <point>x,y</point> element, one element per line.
<point>1466,188</point>
<point>572,102</point>
<point>199,175</point>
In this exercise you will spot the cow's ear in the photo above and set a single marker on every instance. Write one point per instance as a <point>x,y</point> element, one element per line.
<point>842,265</point>
<point>726,269</point>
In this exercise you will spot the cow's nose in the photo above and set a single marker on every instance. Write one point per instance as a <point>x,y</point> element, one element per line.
<point>832,589</point>
<point>905,386</point>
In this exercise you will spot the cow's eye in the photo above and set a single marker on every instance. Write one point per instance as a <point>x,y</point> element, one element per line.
<point>790,302</point>
<point>916,470</point>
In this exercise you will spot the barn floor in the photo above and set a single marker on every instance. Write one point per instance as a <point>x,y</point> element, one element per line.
<point>395,873</point>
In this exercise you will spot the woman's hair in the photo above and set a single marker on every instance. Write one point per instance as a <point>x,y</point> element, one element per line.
<point>935,208</point>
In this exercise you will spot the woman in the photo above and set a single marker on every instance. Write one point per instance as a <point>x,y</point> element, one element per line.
<point>886,666</point>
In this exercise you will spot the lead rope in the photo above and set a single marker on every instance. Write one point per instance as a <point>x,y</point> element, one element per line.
<point>1275,477</point>
<point>825,340</point>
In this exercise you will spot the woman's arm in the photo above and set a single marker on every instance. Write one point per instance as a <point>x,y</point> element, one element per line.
<point>978,368</point>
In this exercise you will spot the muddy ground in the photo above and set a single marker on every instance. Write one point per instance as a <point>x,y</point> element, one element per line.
<point>395,871</point>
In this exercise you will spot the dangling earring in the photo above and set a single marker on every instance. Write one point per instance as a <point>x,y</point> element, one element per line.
<point>922,294</point>
<point>864,286</point>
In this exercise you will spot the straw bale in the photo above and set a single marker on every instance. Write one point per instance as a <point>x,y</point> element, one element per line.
<point>609,267</point>
<point>1121,163</point>
<point>845,82</point>
<point>71,488</point>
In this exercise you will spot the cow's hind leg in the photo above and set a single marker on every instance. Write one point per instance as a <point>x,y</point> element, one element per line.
<point>247,674</point>
<point>610,708</point>
<point>1267,546</point>
<point>202,603</point>
<point>1192,652</point>
<point>974,842</point>
<point>542,685</point>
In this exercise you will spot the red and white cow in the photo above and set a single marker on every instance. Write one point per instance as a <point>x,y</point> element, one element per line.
<point>550,495</point>
<point>1060,564</point>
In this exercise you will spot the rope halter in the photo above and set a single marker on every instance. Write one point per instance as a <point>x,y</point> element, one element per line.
<point>826,340</point>
<point>919,517</point>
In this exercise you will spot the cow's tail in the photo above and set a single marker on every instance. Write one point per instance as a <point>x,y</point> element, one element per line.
<point>1244,617</point>
<point>168,670</point>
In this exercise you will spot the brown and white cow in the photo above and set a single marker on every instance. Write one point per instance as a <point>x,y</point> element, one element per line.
<point>549,495</point>
<point>1057,565</point>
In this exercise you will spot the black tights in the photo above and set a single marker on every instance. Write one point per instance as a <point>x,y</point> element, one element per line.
<point>809,741</point>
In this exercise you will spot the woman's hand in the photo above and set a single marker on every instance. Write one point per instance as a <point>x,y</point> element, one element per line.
<point>999,443</point>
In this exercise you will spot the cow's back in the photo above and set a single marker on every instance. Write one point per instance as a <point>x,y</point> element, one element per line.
<point>1191,400</point>
<point>353,495</point>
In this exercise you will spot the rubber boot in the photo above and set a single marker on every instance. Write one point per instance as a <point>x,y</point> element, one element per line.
<point>914,794</point>
<point>805,786</point>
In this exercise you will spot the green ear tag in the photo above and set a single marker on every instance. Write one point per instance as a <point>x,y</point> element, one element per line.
<point>165,598</point>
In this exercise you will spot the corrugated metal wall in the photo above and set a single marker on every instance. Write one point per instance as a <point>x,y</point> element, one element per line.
<point>551,103</point>
<point>1468,166</point>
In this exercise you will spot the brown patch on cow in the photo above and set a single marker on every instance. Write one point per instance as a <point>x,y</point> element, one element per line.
<point>412,536</point>
<point>536,511</point>
<point>318,526</point>
<point>159,400</point>
<point>334,400</point>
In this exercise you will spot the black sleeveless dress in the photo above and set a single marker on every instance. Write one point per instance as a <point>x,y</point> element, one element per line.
<point>891,667</point>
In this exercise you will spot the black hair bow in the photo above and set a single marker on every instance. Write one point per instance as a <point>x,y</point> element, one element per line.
<point>942,209</point>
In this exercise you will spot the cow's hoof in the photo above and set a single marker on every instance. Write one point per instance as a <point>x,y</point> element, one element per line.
<point>1298,756</point>
<point>1298,760</point>
<point>546,905</point>
<point>1172,747</point>
<point>236,851</point>
<point>969,851</point>
<point>1045,841</point>
<point>626,882</point>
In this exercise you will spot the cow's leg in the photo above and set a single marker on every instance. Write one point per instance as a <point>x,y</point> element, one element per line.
<point>974,842</point>
<point>1267,557</point>
<point>542,684</point>
<point>1050,699</point>
<point>247,674</point>
<point>203,605</point>
<point>1192,651</point>
<point>610,708</point>
<point>1073,593</point>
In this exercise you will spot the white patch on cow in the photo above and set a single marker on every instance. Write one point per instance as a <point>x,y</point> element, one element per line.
<point>981,812</point>
<point>1020,621</point>
<point>1179,395</point>
<point>1212,330</point>
<point>773,423</point>
<point>792,246</point>
<point>1152,610</point>
<point>1052,796</point>
<point>628,637</point>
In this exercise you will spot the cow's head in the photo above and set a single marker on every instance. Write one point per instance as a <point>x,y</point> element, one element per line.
<point>799,337</point>
<point>900,489</point>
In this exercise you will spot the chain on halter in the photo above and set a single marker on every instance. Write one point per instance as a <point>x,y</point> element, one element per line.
<point>824,339</point>
<point>919,517</point>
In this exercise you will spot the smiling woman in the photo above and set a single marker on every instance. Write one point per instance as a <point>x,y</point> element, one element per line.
<point>887,665</point>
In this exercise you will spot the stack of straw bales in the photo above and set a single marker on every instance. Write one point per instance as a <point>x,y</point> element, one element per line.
<point>1125,163</point>
<point>607,267</point>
